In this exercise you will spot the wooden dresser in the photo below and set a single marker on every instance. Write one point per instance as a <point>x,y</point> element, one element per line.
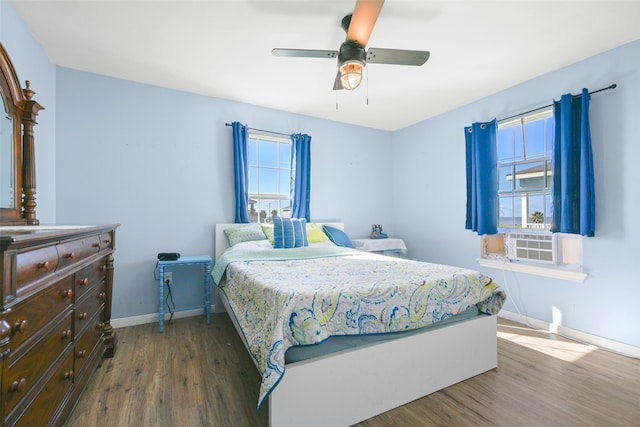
<point>54,320</point>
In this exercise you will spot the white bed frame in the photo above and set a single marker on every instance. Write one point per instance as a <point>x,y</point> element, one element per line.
<point>344,388</point>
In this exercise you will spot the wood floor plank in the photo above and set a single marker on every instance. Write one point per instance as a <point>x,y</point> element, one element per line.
<point>196,374</point>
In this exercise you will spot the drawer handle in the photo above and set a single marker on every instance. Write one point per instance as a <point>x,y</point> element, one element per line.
<point>18,386</point>
<point>99,326</point>
<point>20,326</point>
<point>68,375</point>
<point>107,241</point>
<point>103,267</point>
<point>67,293</point>
<point>96,245</point>
<point>66,334</point>
<point>81,353</point>
<point>70,255</point>
<point>102,295</point>
<point>82,316</point>
<point>84,282</point>
<point>43,264</point>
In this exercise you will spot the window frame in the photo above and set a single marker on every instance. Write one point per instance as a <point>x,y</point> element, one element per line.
<point>257,197</point>
<point>567,258</point>
<point>516,162</point>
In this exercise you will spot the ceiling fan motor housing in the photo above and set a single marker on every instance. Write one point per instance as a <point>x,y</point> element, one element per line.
<point>352,51</point>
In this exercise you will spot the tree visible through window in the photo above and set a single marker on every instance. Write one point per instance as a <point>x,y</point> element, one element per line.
<point>269,177</point>
<point>524,168</point>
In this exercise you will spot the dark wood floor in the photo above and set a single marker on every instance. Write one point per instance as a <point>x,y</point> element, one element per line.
<point>196,374</point>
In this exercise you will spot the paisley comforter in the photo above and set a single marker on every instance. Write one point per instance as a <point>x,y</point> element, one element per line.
<point>290,297</point>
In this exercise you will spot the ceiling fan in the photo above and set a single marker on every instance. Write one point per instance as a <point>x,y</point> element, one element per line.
<point>352,56</point>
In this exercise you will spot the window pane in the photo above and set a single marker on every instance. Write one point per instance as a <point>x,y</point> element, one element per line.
<point>268,181</point>
<point>536,211</point>
<point>266,209</point>
<point>548,212</point>
<point>548,175</point>
<point>549,126</point>
<point>534,136</point>
<point>524,177</point>
<point>530,176</point>
<point>285,156</point>
<point>519,144</point>
<point>506,212</point>
<point>253,152</point>
<point>505,143</point>
<point>253,180</point>
<point>285,182</point>
<point>268,154</point>
<point>269,178</point>
<point>506,178</point>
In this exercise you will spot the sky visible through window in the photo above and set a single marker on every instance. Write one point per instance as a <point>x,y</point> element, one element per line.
<point>269,179</point>
<point>524,168</point>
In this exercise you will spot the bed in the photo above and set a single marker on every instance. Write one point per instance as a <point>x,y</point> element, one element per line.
<point>350,383</point>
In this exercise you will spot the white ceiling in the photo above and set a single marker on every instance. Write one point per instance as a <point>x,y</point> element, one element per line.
<point>223,48</point>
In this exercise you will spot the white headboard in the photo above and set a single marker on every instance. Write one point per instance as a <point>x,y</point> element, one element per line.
<point>222,243</point>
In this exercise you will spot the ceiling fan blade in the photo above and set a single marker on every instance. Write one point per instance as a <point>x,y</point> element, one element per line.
<point>364,18</point>
<point>337,85</point>
<point>397,56</point>
<point>305,53</point>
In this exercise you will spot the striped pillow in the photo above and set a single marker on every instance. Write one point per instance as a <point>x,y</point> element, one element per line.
<point>289,232</point>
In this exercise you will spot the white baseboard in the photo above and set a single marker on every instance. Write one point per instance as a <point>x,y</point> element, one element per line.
<point>143,319</point>
<point>604,343</point>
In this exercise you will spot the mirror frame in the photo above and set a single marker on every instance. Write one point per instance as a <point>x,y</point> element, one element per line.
<point>18,104</point>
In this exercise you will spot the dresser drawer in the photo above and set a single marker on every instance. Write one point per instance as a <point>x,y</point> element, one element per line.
<point>89,277</point>
<point>87,340</point>
<point>49,398</point>
<point>28,317</point>
<point>86,309</point>
<point>107,240</point>
<point>27,368</point>
<point>76,250</point>
<point>34,265</point>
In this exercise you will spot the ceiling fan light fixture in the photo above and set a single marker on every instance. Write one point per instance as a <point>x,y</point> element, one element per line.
<point>351,73</point>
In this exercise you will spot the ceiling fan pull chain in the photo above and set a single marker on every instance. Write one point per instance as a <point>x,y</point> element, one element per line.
<point>367,87</point>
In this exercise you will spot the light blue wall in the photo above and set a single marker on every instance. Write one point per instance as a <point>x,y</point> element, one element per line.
<point>429,183</point>
<point>160,162</point>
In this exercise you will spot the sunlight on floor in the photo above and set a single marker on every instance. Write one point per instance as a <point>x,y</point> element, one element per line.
<point>569,351</point>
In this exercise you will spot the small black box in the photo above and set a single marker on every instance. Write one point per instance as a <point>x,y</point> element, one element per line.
<point>168,256</point>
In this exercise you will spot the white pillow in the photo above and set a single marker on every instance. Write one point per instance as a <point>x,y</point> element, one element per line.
<point>253,245</point>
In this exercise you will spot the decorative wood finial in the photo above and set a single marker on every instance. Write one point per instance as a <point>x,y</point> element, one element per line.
<point>28,93</point>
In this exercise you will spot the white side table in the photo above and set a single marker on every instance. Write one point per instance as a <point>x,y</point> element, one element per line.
<point>387,246</point>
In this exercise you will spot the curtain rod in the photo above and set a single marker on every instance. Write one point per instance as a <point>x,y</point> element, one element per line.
<point>612,86</point>
<point>265,131</point>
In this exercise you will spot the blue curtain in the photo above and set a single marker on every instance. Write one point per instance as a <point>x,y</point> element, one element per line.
<point>574,201</point>
<point>300,176</point>
<point>482,177</point>
<point>241,170</point>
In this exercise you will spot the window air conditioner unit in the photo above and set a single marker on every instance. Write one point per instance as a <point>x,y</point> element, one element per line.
<point>531,247</point>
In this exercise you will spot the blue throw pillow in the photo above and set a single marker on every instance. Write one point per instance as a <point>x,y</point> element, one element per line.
<point>289,232</point>
<point>337,236</point>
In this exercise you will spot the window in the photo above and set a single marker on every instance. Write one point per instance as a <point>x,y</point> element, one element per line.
<point>525,198</point>
<point>269,176</point>
<point>524,170</point>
